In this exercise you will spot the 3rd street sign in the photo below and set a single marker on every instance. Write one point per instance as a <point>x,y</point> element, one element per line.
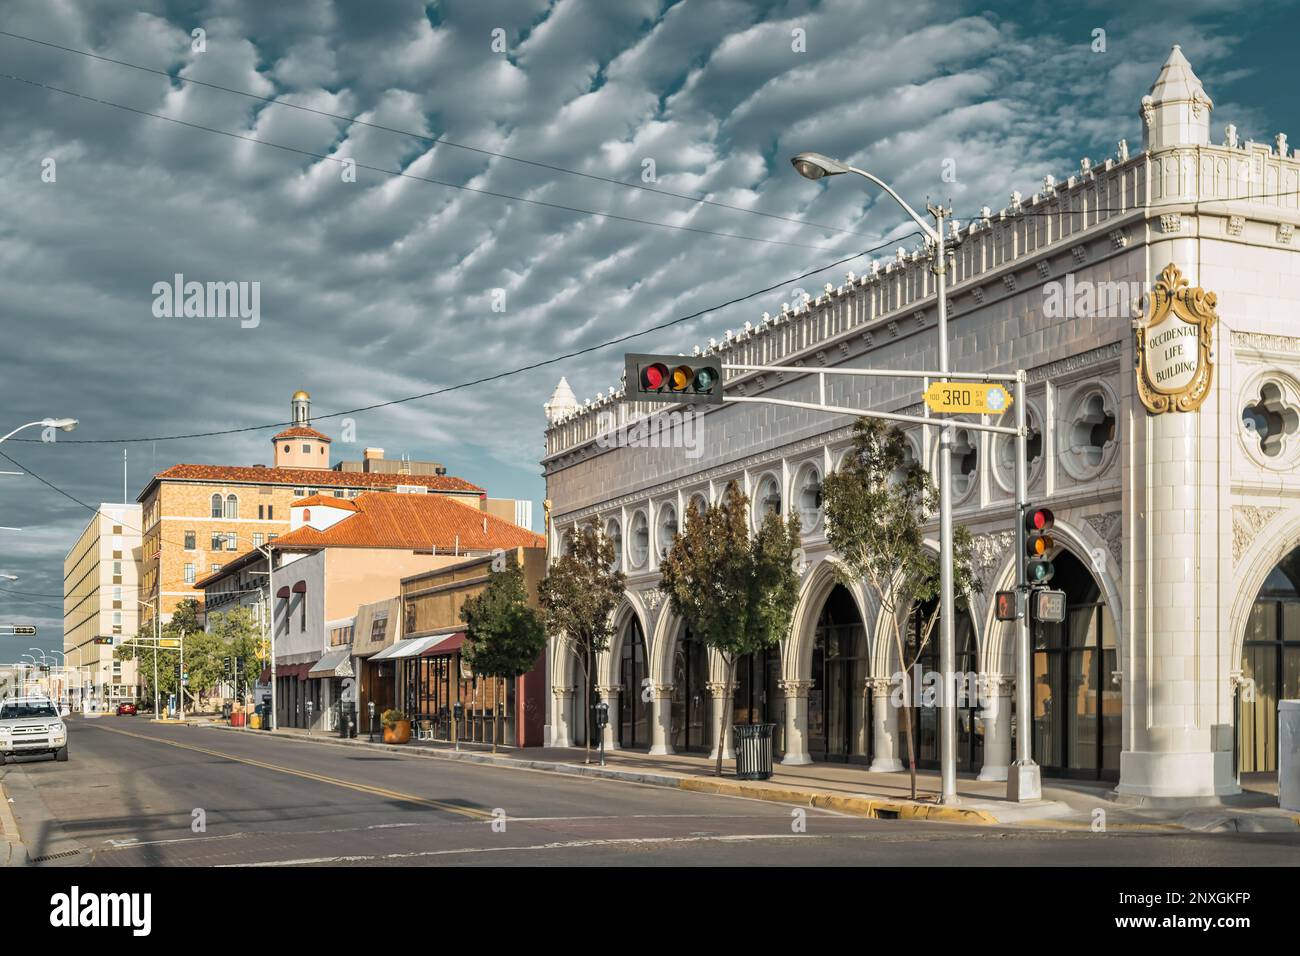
<point>976,398</point>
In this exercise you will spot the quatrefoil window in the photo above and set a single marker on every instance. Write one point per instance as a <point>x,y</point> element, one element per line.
<point>1092,430</point>
<point>965,459</point>
<point>1271,419</point>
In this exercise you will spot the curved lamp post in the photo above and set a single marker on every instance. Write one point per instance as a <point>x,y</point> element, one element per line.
<point>816,166</point>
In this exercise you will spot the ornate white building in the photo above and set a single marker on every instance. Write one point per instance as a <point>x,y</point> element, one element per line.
<point>1153,299</point>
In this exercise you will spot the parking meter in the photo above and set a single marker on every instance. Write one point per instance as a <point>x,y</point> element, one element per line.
<point>457,712</point>
<point>309,710</point>
<point>602,721</point>
<point>370,706</point>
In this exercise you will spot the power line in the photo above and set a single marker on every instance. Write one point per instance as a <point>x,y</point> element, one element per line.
<point>274,101</point>
<point>403,175</point>
<point>494,377</point>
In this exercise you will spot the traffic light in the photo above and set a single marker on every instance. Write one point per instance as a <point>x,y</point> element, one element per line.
<point>104,640</point>
<point>225,666</point>
<point>1038,545</point>
<point>673,378</point>
<point>178,670</point>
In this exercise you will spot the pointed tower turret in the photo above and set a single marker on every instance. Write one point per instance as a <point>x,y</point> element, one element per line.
<point>1177,111</point>
<point>562,402</point>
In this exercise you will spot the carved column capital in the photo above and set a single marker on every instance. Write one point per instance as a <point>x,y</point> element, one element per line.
<point>795,688</point>
<point>662,690</point>
<point>720,688</point>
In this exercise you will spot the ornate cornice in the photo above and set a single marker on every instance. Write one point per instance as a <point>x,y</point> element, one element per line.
<point>1074,363</point>
<point>1265,342</point>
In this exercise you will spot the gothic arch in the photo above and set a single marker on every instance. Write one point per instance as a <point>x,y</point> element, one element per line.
<point>1258,561</point>
<point>819,581</point>
<point>997,653</point>
<point>631,607</point>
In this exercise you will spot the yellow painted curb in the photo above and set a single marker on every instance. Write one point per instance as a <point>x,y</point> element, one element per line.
<point>858,806</point>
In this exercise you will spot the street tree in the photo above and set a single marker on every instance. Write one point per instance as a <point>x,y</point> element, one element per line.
<point>184,624</point>
<point>503,634</point>
<point>877,504</point>
<point>578,596</point>
<point>239,637</point>
<point>735,593</point>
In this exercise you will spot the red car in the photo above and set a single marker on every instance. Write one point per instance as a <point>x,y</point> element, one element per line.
<point>126,709</point>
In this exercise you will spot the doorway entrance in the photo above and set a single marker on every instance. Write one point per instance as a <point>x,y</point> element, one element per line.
<point>633,709</point>
<point>1270,666</point>
<point>839,708</point>
<point>691,703</point>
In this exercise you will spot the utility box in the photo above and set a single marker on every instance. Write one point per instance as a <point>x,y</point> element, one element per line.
<point>1288,754</point>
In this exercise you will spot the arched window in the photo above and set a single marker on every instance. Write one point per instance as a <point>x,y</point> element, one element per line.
<point>232,507</point>
<point>216,506</point>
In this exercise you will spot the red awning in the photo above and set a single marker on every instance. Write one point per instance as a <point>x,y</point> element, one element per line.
<point>447,646</point>
<point>287,672</point>
<point>283,592</point>
<point>300,587</point>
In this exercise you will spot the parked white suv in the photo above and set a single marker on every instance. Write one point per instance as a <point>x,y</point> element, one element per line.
<point>31,725</point>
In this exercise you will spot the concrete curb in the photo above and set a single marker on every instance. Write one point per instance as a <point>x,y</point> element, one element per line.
<point>12,850</point>
<point>863,806</point>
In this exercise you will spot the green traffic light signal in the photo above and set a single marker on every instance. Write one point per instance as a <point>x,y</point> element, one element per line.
<point>666,378</point>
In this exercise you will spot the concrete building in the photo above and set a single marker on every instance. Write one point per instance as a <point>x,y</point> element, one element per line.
<point>100,588</point>
<point>1150,296</point>
<point>338,555</point>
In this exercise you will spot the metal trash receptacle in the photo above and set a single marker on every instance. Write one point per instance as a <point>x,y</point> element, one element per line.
<point>1288,754</point>
<point>754,751</point>
<point>347,719</point>
<point>226,710</point>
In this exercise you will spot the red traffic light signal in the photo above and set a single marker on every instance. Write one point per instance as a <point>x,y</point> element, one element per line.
<point>1038,545</point>
<point>667,378</point>
<point>1010,605</point>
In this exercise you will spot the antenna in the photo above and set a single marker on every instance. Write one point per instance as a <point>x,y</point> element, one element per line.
<point>124,491</point>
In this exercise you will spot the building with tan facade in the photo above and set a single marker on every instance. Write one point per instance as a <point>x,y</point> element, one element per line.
<point>198,518</point>
<point>100,590</point>
<point>337,555</point>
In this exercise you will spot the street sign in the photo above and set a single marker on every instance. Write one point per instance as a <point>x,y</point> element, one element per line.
<point>21,630</point>
<point>1049,606</point>
<point>169,642</point>
<point>976,398</point>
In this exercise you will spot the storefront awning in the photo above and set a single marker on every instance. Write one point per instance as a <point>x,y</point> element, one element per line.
<point>409,647</point>
<point>333,664</point>
<point>445,644</point>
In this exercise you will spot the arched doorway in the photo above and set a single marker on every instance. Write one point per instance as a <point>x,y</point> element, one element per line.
<point>691,699</point>
<point>839,718</point>
<point>1077,706</point>
<point>1270,665</point>
<point>970,734</point>
<point>633,709</point>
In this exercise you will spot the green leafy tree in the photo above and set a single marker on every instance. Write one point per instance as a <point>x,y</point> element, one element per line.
<point>736,593</point>
<point>240,637</point>
<point>578,596</point>
<point>877,504</point>
<point>184,625</point>
<point>503,635</point>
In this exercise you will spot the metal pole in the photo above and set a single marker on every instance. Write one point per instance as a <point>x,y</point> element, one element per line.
<point>947,651</point>
<point>157,636</point>
<point>1023,781</point>
<point>270,605</point>
<point>180,684</point>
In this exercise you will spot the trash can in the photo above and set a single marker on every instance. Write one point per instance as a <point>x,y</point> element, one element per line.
<point>347,719</point>
<point>226,710</point>
<point>1288,754</point>
<point>754,751</point>
<point>237,720</point>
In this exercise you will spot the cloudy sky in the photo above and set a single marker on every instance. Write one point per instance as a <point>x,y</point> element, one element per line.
<point>382,288</point>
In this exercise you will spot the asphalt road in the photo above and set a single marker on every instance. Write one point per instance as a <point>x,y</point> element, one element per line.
<point>135,793</point>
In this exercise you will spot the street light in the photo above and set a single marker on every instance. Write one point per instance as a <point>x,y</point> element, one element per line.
<point>63,424</point>
<point>815,166</point>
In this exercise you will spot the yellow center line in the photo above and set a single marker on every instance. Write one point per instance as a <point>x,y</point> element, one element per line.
<point>308,775</point>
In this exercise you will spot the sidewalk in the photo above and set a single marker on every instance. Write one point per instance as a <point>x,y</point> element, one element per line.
<point>12,852</point>
<point>851,788</point>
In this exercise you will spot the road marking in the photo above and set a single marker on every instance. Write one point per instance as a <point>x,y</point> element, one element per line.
<point>572,844</point>
<point>308,775</point>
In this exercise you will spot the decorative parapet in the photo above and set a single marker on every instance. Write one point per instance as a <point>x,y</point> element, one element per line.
<point>875,304</point>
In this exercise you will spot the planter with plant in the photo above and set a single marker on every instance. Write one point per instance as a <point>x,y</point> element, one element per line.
<point>397,726</point>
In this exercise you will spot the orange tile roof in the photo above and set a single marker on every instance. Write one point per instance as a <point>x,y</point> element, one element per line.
<point>302,431</point>
<point>415,522</point>
<point>324,501</point>
<point>308,477</point>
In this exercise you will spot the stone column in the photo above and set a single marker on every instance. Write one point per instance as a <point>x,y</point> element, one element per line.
<point>996,691</point>
<point>722,692</point>
<point>609,694</point>
<point>884,727</point>
<point>661,720</point>
<point>796,721</point>
<point>562,732</point>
